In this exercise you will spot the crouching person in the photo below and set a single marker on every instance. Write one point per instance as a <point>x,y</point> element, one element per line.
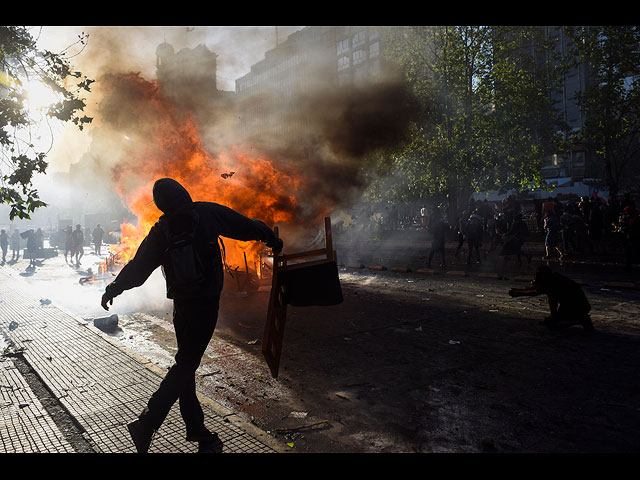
<point>184,242</point>
<point>568,304</point>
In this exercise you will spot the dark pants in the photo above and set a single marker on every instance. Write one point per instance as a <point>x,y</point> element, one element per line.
<point>474,244</point>
<point>437,246</point>
<point>570,314</point>
<point>194,321</point>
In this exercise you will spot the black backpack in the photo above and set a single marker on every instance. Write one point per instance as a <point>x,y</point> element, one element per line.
<point>189,266</point>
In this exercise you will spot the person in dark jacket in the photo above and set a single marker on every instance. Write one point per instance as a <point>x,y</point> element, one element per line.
<point>568,304</point>
<point>4,244</point>
<point>32,248</point>
<point>552,230</point>
<point>68,243</point>
<point>97,235</point>
<point>438,228</point>
<point>15,245</point>
<point>474,236</point>
<point>515,238</point>
<point>77,242</point>
<point>195,309</point>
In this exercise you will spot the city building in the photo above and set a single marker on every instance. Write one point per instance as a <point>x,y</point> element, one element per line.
<point>197,65</point>
<point>310,60</point>
<point>568,169</point>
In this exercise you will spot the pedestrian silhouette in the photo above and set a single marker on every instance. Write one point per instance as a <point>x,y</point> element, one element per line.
<point>184,242</point>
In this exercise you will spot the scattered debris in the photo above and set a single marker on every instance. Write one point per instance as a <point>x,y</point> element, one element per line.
<point>298,414</point>
<point>45,301</point>
<point>321,424</point>
<point>342,395</point>
<point>12,350</point>
<point>227,175</point>
<point>454,342</point>
<point>253,342</point>
<point>108,324</point>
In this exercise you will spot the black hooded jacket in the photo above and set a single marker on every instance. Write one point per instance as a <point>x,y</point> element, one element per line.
<point>216,220</point>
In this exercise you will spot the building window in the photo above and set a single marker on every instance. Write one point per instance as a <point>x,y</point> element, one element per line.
<point>374,50</point>
<point>343,62</point>
<point>359,39</point>
<point>359,56</point>
<point>343,46</point>
<point>551,161</point>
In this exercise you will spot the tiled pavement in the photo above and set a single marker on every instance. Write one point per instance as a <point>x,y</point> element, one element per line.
<point>100,384</point>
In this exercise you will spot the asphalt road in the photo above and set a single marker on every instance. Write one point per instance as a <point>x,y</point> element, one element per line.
<point>421,363</point>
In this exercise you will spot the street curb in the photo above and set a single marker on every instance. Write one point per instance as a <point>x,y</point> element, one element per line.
<point>495,276</point>
<point>457,273</point>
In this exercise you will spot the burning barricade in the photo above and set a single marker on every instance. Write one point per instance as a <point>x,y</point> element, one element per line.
<point>106,270</point>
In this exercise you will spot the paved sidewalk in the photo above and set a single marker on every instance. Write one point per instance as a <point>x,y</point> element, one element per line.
<point>99,384</point>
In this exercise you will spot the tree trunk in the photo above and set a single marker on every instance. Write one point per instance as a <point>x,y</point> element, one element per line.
<point>611,179</point>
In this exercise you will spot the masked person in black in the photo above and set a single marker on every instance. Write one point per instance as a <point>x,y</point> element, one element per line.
<point>184,242</point>
<point>568,304</point>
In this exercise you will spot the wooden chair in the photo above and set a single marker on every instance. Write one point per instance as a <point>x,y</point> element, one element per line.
<point>277,311</point>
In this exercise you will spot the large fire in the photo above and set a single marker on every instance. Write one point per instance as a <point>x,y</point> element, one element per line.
<point>158,141</point>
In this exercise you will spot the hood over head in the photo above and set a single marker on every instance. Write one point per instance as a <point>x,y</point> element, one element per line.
<point>169,195</point>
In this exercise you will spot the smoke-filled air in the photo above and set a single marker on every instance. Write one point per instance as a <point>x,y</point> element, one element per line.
<point>292,176</point>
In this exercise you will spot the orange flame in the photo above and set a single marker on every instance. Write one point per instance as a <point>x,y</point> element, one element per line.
<point>171,147</point>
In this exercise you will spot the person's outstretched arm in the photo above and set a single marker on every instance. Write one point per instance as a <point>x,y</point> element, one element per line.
<point>232,224</point>
<point>147,258</point>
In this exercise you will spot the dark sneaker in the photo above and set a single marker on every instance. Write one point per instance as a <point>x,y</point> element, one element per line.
<point>202,435</point>
<point>141,436</point>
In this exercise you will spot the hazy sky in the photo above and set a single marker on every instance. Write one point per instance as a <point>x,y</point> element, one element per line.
<point>124,49</point>
<point>132,48</point>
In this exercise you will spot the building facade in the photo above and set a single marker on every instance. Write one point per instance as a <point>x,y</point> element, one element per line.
<point>569,168</point>
<point>310,61</point>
